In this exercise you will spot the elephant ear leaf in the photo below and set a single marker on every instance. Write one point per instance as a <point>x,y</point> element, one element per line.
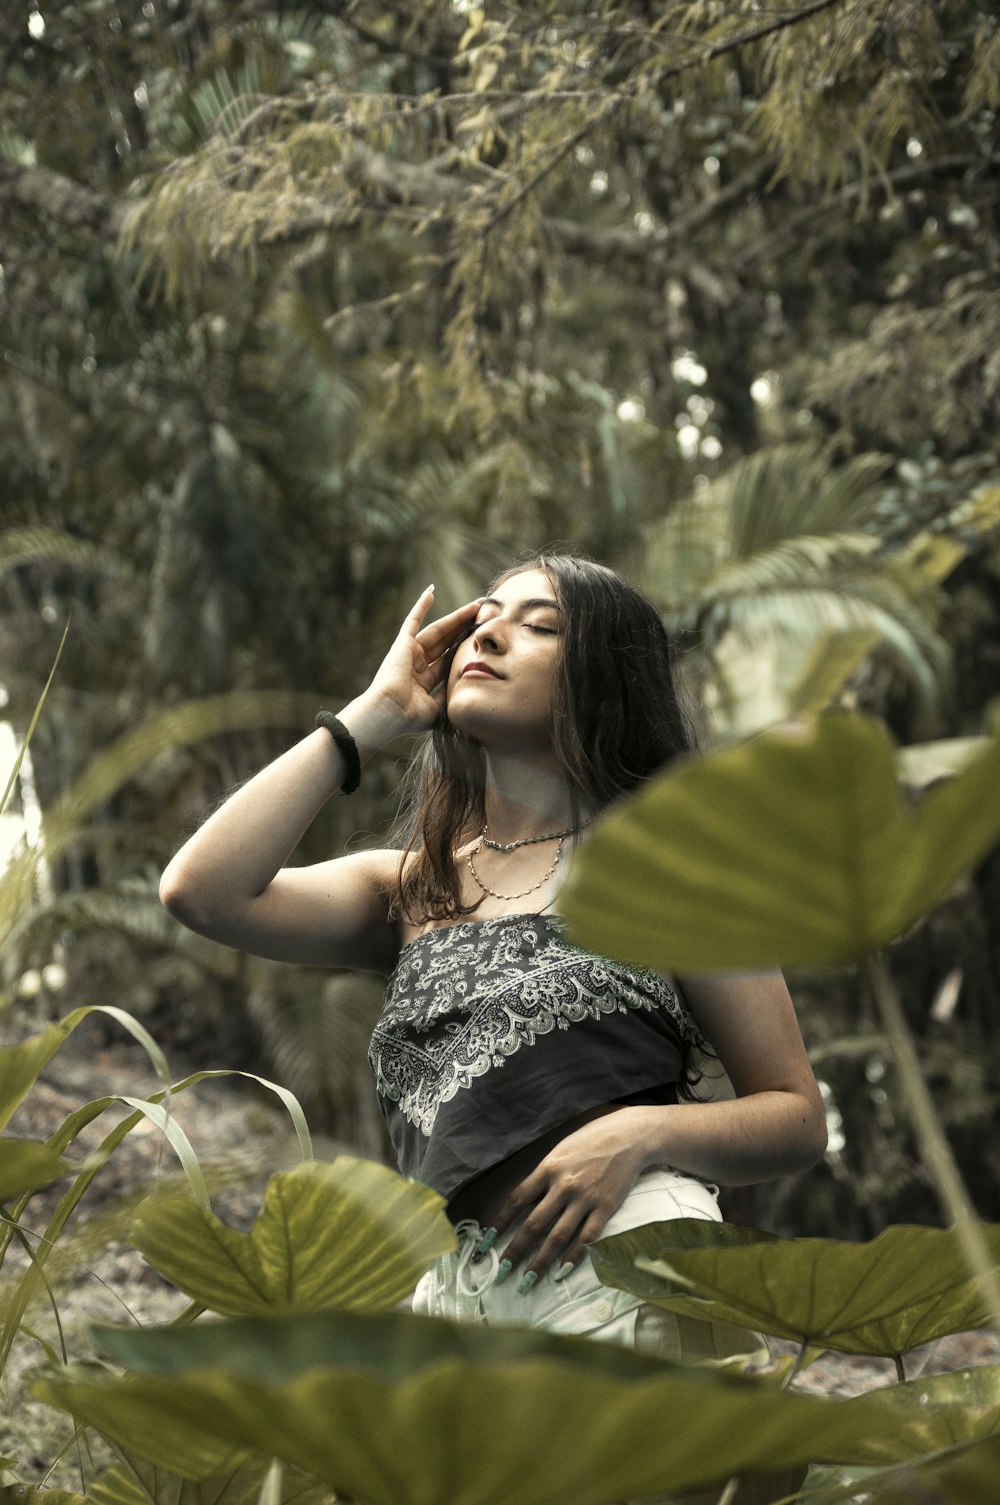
<point>904,1288</point>
<point>390,1408</point>
<point>963,1474</point>
<point>137,1482</point>
<point>36,1494</point>
<point>349,1234</point>
<point>793,848</point>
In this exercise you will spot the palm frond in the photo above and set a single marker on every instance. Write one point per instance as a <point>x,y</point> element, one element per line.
<point>792,562</point>
<point>915,651</point>
<point>219,102</point>
<point>20,546</point>
<point>791,490</point>
<point>177,727</point>
<point>684,550</point>
<point>832,659</point>
<point>316,1035</point>
<point>132,911</point>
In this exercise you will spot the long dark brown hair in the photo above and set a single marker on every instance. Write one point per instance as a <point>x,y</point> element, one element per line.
<point>617,717</point>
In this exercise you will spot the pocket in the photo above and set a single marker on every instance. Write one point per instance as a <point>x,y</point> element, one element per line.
<point>596,1311</point>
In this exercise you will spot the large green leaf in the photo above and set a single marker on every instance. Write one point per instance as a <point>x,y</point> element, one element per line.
<point>925,762</point>
<point>793,848</point>
<point>965,1474</point>
<point>26,1166</point>
<point>142,1483</point>
<point>29,1059</point>
<point>349,1234</point>
<point>925,1415</point>
<point>36,1494</point>
<point>405,1410</point>
<point>905,1287</point>
<point>832,659</point>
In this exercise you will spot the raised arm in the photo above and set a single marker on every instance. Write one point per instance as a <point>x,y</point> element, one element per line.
<point>230,882</point>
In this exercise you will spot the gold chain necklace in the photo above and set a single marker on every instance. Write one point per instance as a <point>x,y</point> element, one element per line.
<point>526,841</point>
<point>535,886</point>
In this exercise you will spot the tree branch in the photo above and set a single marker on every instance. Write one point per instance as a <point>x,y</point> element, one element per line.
<point>661,76</point>
<point>906,176</point>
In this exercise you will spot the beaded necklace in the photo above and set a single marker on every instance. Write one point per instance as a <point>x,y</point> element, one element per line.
<point>526,841</point>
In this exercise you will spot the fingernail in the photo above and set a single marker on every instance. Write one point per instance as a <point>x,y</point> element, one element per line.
<point>526,1282</point>
<point>564,1270</point>
<point>503,1270</point>
<point>486,1243</point>
<point>430,588</point>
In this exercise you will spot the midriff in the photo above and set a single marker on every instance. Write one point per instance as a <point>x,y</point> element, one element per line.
<point>482,1197</point>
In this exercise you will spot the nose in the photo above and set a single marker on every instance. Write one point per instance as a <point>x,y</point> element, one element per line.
<point>489,635</point>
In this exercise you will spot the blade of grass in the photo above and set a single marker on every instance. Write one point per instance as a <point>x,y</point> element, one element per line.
<point>34,720</point>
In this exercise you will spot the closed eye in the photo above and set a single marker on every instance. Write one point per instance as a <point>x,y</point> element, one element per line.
<point>531,626</point>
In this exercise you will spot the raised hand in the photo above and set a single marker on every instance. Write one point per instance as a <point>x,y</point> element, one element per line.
<point>410,679</point>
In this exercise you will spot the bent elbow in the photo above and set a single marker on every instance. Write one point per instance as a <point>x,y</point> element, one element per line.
<point>177,898</point>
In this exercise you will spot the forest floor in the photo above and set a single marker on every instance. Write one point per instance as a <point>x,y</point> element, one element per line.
<point>241,1136</point>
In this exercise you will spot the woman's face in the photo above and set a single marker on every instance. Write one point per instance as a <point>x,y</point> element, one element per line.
<point>502,677</point>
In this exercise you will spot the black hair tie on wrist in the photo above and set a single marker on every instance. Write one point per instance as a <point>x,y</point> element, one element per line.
<point>348,747</point>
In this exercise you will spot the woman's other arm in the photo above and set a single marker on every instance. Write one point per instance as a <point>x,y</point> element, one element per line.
<point>774,1126</point>
<point>230,882</point>
<point>776,1123</point>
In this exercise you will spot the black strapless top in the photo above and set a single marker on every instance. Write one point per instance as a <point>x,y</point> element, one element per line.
<point>495,1031</point>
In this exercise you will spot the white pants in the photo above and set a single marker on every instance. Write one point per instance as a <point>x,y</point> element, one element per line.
<point>455,1287</point>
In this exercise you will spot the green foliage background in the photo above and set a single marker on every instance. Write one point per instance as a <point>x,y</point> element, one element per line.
<point>302,307</point>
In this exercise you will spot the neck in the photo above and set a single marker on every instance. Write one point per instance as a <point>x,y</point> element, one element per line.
<point>524,798</point>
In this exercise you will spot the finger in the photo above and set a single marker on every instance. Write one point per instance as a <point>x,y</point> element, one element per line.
<point>562,1241</point>
<point>521,1198</point>
<point>533,1232</point>
<point>438,636</point>
<point>590,1230</point>
<point>420,608</point>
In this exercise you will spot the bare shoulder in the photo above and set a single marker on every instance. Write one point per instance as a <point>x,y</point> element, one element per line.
<point>329,914</point>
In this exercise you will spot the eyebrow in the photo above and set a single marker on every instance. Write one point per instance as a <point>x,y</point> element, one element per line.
<point>528,605</point>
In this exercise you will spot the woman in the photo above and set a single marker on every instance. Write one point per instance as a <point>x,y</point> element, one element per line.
<point>544,1091</point>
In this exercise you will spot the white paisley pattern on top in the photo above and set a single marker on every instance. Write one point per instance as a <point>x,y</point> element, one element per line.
<point>465,997</point>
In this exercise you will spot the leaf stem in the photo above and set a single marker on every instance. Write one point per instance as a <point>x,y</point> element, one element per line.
<point>931,1139</point>
<point>729,1490</point>
<point>786,1382</point>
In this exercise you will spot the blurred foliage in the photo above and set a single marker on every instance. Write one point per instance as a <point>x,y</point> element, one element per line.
<point>304,306</point>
